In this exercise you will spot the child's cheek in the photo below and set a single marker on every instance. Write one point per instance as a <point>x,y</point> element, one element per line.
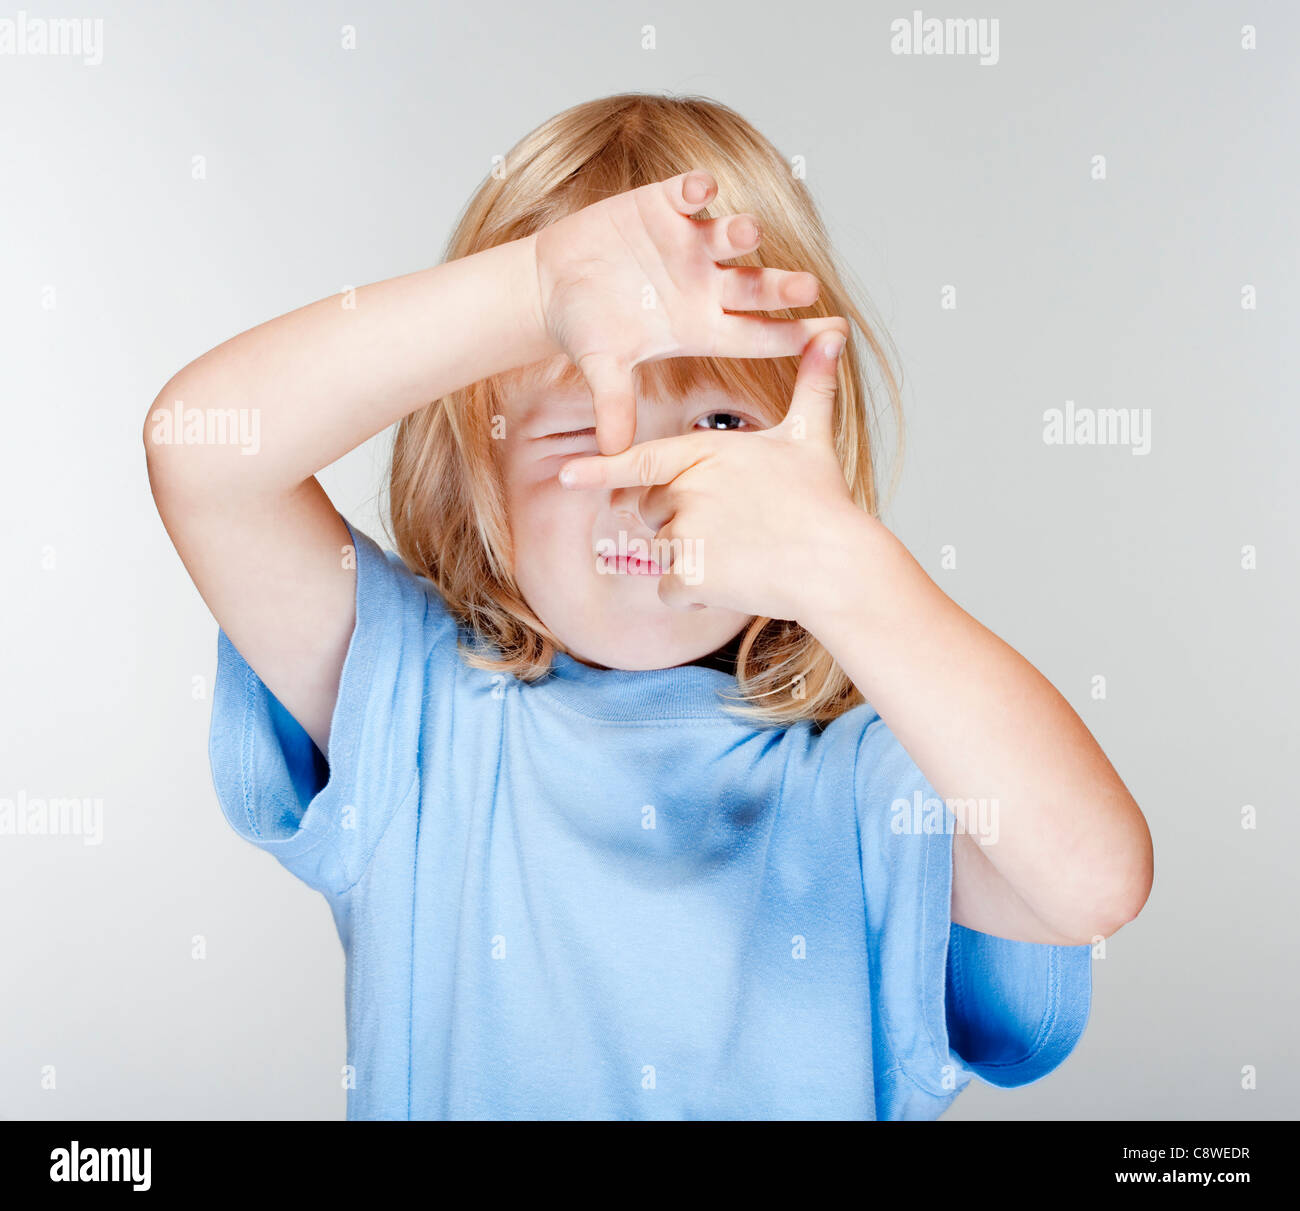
<point>553,526</point>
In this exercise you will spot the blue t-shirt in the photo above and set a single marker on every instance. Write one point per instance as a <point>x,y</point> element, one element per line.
<point>600,896</point>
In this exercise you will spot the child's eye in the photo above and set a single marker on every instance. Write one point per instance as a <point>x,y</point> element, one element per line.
<point>724,421</point>
<point>572,434</point>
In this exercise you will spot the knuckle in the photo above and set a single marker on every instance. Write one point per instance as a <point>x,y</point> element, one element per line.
<point>671,586</point>
<point>644,465</point>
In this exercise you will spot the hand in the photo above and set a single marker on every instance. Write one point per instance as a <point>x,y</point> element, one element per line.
<point>751,522</point>
<point>633,278</point>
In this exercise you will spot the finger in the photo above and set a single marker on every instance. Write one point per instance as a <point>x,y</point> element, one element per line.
<point>732,235</point>
<point>691,191</point>
<point>677,592</point>
<point>812,405</point>
<point>656,506</point>
<point>679,582</point>
<point>748,288</point>
<point>763,336</point>
<point>614,398</point>
<point>653,462</point>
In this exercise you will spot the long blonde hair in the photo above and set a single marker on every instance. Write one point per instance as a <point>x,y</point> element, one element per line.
<point>448,515</point>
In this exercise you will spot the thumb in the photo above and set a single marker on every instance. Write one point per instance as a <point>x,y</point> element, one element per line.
<point>615,401</point>
<point>812,406</point>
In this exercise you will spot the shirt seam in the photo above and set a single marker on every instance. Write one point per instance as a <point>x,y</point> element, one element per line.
<point>308,839</point>
<point>383,832</point>
<point>927,917</point>
<point>905,1068</point>
<point>894,1053</point>
<point>246,754</point>
<point>390,569</point>
<point>1046,1024</point>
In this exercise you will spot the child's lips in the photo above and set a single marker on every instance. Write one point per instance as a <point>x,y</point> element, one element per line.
<point>628,565</point>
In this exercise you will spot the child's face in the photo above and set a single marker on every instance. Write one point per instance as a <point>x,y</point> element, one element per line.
<point>604,609</point>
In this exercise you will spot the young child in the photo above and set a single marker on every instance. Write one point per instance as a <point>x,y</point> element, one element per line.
<point>658,779</point>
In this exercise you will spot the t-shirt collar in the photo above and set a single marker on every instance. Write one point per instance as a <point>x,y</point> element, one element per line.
<point>684,692</point>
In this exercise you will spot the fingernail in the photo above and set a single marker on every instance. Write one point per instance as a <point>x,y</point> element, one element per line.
<point>834,347</point>
<point>567,477</point>
<point>693,190</point>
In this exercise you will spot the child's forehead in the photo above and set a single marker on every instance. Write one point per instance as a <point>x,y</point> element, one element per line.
<point>527,401</point>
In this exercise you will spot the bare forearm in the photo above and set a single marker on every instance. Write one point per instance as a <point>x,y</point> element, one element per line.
<point>258,536</point>
<point>983,724</point>
<point>320,380</point>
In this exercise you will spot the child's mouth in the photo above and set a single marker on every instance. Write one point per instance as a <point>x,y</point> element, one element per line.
<point>627,565</point>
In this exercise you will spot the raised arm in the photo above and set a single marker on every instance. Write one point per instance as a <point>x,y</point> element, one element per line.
<point>255,530</point>
<point>252,525</point>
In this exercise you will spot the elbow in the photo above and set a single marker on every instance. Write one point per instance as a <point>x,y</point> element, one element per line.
<point>157,432</point>
<point>189,442</point>
<point>155,449</point>
<point>1128,879</point>
<point>1109,922</point>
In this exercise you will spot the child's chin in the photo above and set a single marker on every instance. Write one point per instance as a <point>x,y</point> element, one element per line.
<point>644,645</point>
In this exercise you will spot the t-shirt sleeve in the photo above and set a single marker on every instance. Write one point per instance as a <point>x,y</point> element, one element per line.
<point>322,819</point>
<point>948,1001</point>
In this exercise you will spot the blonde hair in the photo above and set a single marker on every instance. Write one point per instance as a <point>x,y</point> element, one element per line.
<point>448,516</point>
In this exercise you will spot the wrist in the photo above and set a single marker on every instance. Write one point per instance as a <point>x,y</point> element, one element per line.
<point>856,567</point>
<point>524,299</point>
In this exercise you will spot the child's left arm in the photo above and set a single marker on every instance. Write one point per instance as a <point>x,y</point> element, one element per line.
<point>1071,858</point>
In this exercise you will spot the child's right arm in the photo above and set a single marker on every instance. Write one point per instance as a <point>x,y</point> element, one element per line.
<point>256,532</point>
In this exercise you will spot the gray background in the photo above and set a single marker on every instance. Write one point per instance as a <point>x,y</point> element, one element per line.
<point>329,168</point>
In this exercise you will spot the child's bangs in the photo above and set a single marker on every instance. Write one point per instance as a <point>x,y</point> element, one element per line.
<point>757,385</point>
<point>761,386</point>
